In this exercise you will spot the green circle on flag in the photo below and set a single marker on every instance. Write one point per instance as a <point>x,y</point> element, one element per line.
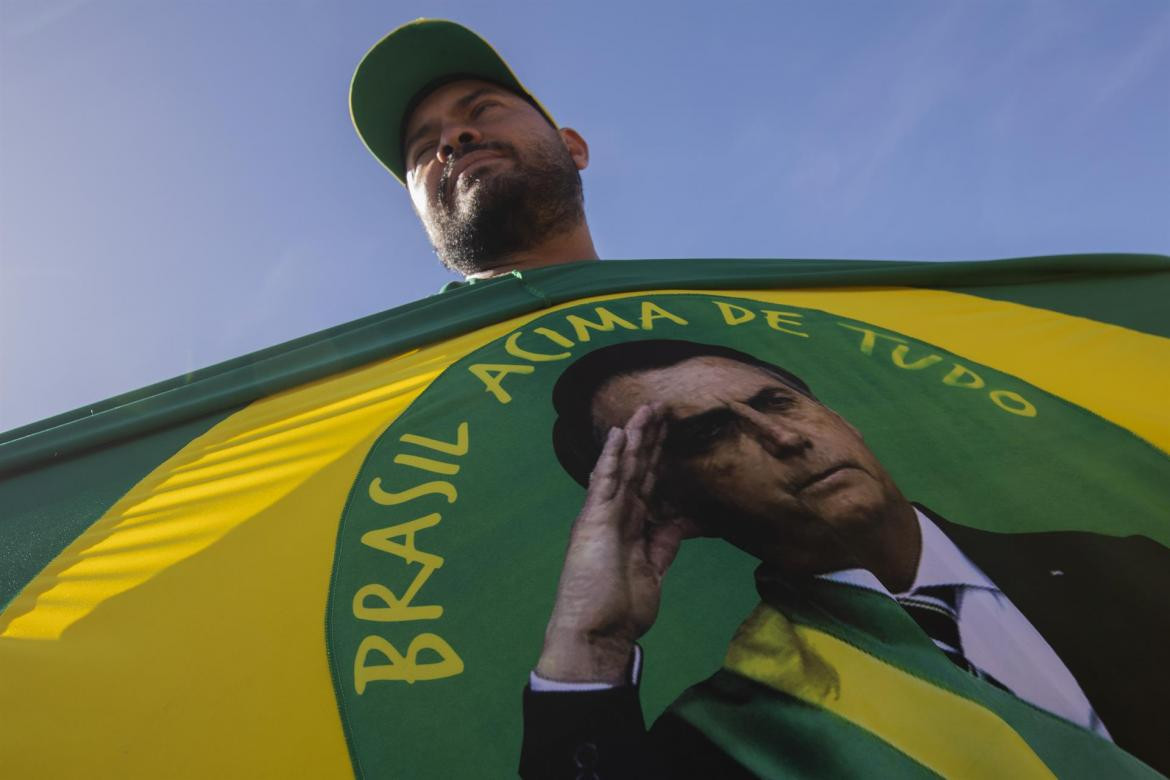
<point>450,545</point>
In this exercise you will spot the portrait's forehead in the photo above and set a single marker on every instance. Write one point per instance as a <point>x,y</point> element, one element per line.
<point>689,387</point>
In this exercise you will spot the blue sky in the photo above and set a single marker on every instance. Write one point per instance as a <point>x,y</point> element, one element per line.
<point>180,183</point>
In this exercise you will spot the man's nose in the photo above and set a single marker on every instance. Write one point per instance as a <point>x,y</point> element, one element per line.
<point>454,137</point>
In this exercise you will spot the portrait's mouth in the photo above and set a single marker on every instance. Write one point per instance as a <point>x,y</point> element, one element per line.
<point>827,478</point>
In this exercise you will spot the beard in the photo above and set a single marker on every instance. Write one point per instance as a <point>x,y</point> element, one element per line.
<point>481,220</point>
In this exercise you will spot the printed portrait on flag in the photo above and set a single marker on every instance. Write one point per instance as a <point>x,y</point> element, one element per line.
<point>787,436</point>
<point>742,450</point>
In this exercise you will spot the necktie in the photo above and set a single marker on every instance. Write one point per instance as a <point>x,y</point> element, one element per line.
<point>934,608</point>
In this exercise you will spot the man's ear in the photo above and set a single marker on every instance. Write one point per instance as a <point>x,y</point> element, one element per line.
<point>671,513</point>
<point>578,149</point>
<point>690,528</point>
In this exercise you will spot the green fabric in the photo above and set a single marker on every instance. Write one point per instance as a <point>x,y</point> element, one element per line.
<point>244,379</point>
<point>455,284</point>
<point>1104,298</point>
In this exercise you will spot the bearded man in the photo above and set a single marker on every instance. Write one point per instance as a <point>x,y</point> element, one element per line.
<point>495,182</point>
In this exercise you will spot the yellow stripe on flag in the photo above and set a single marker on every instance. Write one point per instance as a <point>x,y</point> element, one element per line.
<point>183,634</point>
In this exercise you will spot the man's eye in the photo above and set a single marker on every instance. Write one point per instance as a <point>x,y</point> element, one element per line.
<point>482,107</point>
<point>422,153</point>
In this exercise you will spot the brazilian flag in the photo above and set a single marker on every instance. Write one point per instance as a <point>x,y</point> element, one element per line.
<point>336,557</point>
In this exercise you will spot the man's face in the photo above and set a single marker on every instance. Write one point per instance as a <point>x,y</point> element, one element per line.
<point>488,175</point>
<point>756,462</point>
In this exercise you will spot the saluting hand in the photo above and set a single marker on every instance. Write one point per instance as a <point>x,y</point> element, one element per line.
<point>619,551</point>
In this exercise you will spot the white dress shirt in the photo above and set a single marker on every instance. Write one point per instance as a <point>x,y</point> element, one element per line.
<point>996,637</point>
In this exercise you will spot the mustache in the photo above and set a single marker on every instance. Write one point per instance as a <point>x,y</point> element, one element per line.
<point>464,150</point>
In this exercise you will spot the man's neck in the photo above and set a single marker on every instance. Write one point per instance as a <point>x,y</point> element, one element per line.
<point>893,554</point>
<point>569,246</point>
<point>889,548</point>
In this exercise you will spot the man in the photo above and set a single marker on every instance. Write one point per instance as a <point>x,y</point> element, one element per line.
<point>494,181</point>
<point>692,439</point>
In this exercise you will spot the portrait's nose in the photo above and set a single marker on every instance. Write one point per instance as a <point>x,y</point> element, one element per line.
<point>779,438</point>
<point>454,137</point>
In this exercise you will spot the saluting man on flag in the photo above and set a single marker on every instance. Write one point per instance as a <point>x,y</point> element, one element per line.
<point>677,439</point>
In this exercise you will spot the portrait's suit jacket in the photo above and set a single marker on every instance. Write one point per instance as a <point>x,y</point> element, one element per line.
<point>1099,601</point>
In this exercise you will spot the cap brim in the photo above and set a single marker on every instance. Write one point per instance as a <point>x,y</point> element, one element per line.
<point>414,56</point>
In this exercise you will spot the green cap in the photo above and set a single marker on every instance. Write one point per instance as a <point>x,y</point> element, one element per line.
<point>417,56</point>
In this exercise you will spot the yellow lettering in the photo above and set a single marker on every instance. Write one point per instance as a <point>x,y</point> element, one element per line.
<point>734,315</point>
<point>869,337</point>
<point>405,668</point>
<point>491,375</point>
<point>459,447</point>
<point>606,320</point>
<point>515,350</point>
<point>1019,405</point>
<point>395,608</point>
<point>899,358</point>
<point>386,498</point>
<point>426,464</point>
<point>776,318</point>
<point>554,337</point>
<point>961,376</point>
<point>652,311</point>
<point>380,539</point>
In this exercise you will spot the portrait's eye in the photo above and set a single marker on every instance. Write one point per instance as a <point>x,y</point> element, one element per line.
<point>698,435</point>
<point>709,432</point>
<point>773,400</point>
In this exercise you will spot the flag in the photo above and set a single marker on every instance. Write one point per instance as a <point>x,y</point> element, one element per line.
<point>336,557</point>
